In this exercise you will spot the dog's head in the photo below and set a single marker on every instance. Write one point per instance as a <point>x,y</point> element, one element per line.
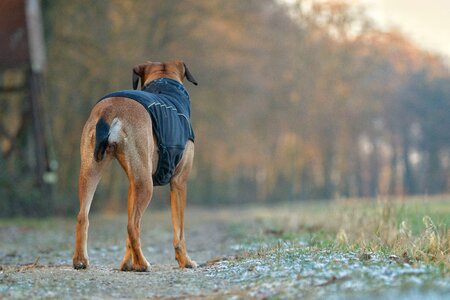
<point>149,71</point>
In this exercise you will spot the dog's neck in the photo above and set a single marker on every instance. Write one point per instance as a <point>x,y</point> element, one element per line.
<point>162,74</point>
<point>166,85</point>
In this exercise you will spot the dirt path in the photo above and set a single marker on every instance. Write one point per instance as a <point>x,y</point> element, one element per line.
<point>35,259</point>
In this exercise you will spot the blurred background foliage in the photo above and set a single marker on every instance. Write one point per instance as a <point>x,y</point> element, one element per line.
<point>302,101</point>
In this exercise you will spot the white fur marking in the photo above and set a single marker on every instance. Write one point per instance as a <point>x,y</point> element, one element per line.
<point>116,125</point>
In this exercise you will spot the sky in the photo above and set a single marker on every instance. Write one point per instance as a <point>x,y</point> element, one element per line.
<point>426,22</point>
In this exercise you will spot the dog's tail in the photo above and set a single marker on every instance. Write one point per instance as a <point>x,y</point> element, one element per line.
<point>101,139</point>
<point>106,135</point>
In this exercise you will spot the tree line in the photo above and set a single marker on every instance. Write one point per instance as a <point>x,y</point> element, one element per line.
<point>295,101</point>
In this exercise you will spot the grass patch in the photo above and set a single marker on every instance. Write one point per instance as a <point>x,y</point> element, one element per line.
<point>411,230</point>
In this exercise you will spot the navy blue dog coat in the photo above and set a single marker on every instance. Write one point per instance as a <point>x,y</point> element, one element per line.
<point>168,104</point>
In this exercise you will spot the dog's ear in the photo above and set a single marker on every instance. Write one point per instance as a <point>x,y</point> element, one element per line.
<point>137,74</point>
<point>188,75</point>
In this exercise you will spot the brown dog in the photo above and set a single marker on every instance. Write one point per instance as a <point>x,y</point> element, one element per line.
<point>134,144</point>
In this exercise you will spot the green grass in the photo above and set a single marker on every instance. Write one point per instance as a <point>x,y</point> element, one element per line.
<point>415,229</point>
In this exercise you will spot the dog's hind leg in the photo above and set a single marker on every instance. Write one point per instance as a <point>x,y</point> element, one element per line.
<point>178,193</point>
<point>139,196</point>
<point>136,163</point>
<point>90,174</point>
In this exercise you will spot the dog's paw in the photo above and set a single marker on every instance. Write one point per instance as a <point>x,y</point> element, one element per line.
<point>141,268</point>
<point>190,264</point>
<point>80,263</point>
<point>186,262</point>
<point>126,266</point>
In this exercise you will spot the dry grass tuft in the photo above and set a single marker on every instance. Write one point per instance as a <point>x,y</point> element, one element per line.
<point>382,231</point>
<point>405,229</point>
